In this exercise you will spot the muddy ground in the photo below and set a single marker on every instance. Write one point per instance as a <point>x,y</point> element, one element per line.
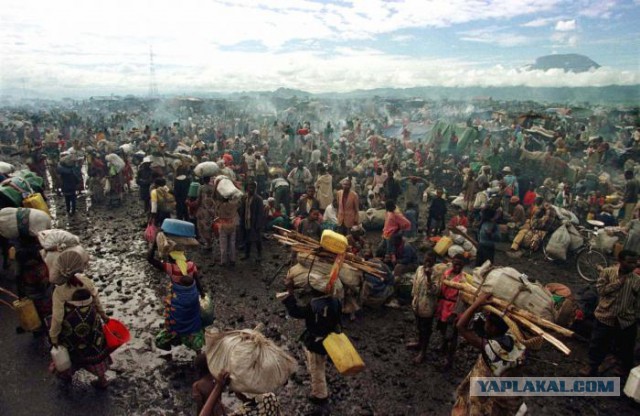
<point>147,381</point>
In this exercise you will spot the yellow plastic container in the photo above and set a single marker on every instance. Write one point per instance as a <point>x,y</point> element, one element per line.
<point>612,199</point>
<point>443,246</point>
<point>334,242</point>
<point>343,355</point>
<point>27,314</point>
<point>36,201</point>
<point>12,253</point>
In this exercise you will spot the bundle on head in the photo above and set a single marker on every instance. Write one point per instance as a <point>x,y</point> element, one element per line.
<point>256,365</point>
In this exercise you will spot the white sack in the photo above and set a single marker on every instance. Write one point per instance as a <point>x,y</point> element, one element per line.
<point>38,221</point>
<point>226,188</point>
<point>256,365</point>
<point>6,168</point>
<point>115,161</point>
<point>206,169</point>
<point>50,258</point>
<point>506,282</point>
<point>350,276</point>
<point>559,243</point>
<point>57,240</point>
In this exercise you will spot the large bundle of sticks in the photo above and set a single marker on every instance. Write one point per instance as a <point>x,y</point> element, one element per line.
<point>302,244</point>
<point>518,320</point>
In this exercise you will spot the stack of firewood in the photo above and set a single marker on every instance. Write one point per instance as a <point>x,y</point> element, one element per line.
<point>302,244</point>
<point>519,320</point>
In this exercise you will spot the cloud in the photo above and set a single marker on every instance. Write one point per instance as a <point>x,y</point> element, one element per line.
<point>602,9</point>
<point>404,38</point>
<point>505,40</point>
<point>495,35</point>
<point>234,45</point>
<point>564,35</point>
<point>346,71</point>
<point>566,25</point>
<point>272,23</point>
<point>565,39</point>
<point>540,22</point>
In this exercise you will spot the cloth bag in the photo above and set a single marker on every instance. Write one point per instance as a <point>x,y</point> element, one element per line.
<point>150,232</point>
<point>512,286</point>
<point>256,364</point>
<point>559,243</point>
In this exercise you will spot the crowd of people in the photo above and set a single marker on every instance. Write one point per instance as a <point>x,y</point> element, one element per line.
<point>393,197</point>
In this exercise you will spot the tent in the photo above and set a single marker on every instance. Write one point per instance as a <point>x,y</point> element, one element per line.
<point>446,129</point>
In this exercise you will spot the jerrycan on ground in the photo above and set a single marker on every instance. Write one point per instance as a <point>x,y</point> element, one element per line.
<point>27,314</point>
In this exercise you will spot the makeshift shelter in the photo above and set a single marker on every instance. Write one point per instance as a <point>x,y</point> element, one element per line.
<point>446,130</point>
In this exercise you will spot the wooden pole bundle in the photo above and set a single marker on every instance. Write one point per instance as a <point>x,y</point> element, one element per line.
<point>524,319</point>
<point>306,245</point>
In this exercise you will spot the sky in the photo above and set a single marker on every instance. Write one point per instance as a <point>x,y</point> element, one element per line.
<point>80,48</point>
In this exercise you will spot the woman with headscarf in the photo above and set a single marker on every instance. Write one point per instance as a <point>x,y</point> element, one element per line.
<point>78,317</point>
<point>183,324</point>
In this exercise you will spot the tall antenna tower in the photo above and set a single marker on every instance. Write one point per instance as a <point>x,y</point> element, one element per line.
<point>153,87</point>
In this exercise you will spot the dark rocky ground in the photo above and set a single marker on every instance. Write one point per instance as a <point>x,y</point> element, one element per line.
<point>147,381</point>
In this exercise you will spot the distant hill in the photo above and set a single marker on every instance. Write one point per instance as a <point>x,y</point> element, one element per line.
<point>289,93</point>
<point>571,62</point>
<point>614,94</point>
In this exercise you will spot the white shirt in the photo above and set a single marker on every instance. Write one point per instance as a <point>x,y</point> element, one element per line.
<point>330,214</point>
<point>315,156</point>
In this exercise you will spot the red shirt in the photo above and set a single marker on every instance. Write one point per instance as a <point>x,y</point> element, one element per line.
<point>448,296</point>
<point>459,221</point>
<point>529,198</point>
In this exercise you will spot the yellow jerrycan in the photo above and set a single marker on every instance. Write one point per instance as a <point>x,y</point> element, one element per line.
<point>343,355</point>
<point>443,246</point>
<point>36,201</point>
<point>26,311</point>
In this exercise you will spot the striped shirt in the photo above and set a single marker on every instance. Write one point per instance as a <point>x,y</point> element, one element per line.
<point>619,301</point>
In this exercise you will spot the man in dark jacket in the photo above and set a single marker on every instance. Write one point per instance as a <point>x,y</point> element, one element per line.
<point>144,179</point>
<point>392,188</point>
<point>437,213</point>
<point>180,191</point>
<point>70,176</point>
<point>252,221</point>
<point>322,317</point>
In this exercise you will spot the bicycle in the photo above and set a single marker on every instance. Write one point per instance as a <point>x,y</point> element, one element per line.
<point>589,261</point>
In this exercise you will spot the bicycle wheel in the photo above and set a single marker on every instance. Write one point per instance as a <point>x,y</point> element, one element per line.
<point>589,262</point>
<point>543,246</point>
<point>544,252</point>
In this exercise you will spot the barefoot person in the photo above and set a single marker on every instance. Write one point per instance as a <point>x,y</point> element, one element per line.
<point>425,297</point>
<point>616,314</point>
<point>322,317</point>
<point>77,310</point>
<point>183,324</point>
<point>500,355</point>
<point>259,405</point>
<point>447,310</point>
